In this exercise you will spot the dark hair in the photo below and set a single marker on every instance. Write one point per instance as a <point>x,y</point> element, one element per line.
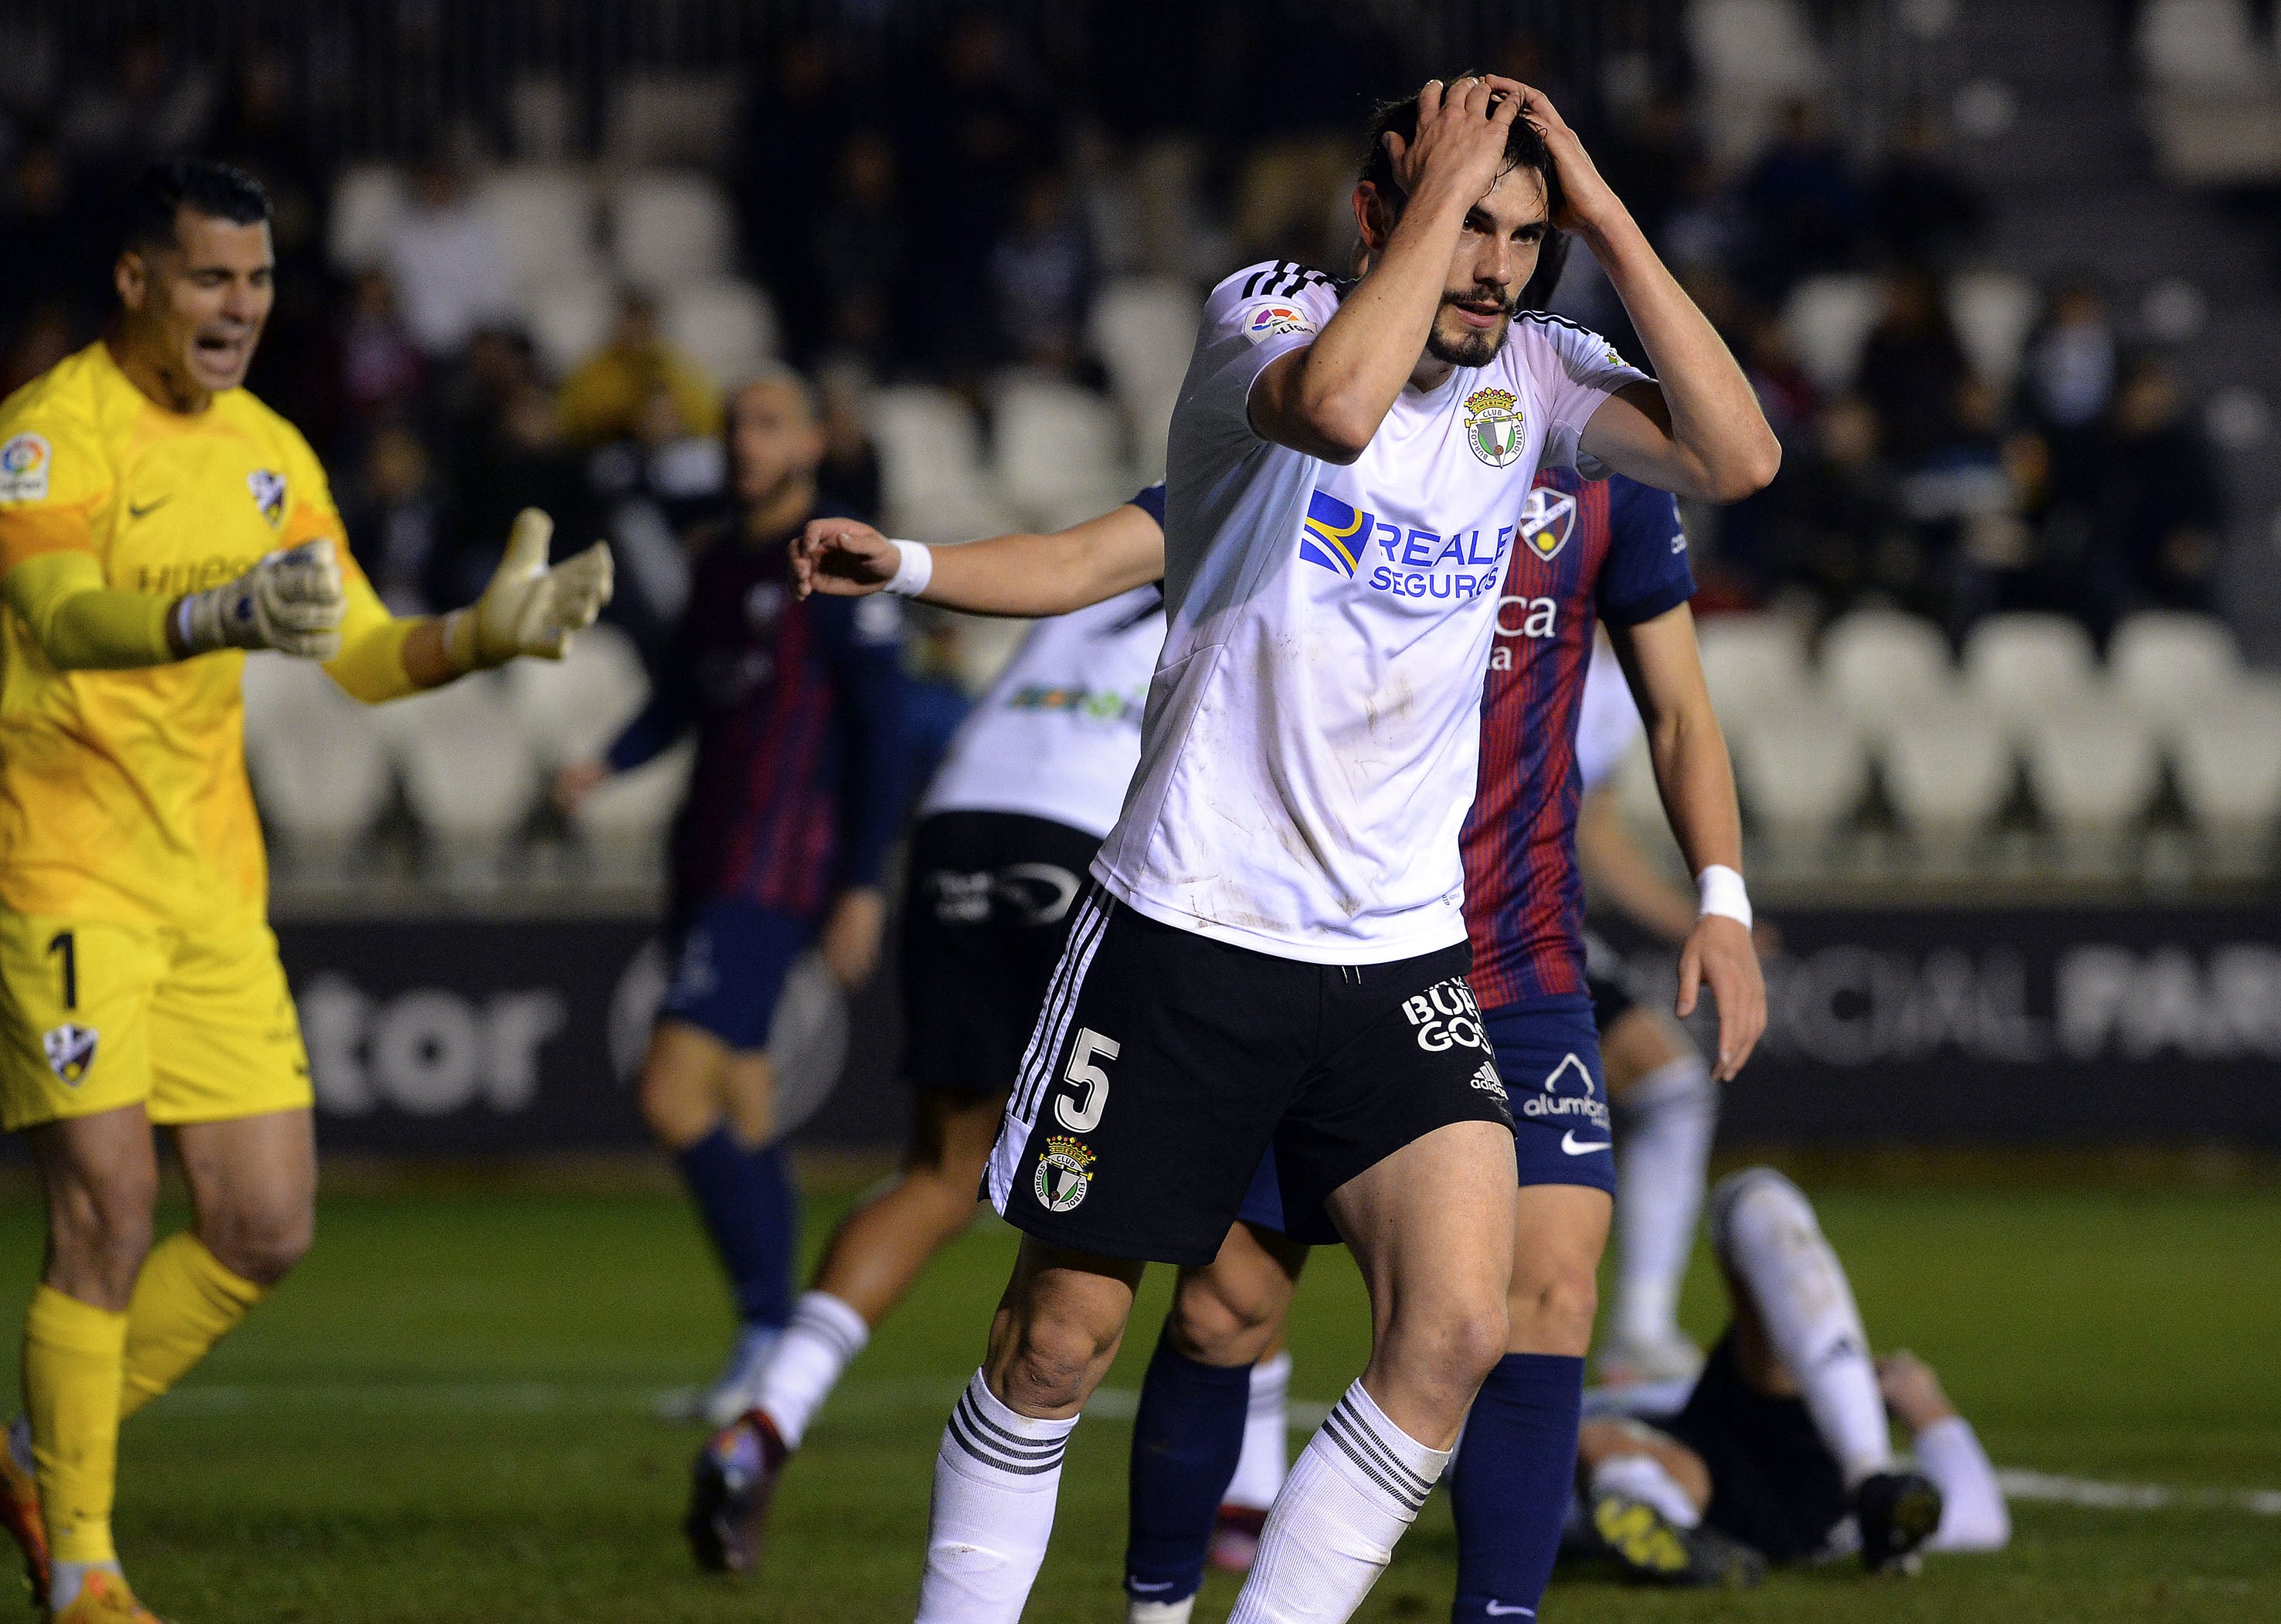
<point>1524,149</point>
<point>199,183</point>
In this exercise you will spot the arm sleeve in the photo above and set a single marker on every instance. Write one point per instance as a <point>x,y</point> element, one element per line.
<point>1973,1516</point>
<point>1258,315</point>
<point>660,722</point>
<point>1646,573</point>
<point>1574,369</point>
<point>79,623</point>
<point>1151,502</point>
<point>861,640</point>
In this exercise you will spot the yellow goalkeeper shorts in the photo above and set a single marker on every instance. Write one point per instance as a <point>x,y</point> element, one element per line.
<point>195,1026</point>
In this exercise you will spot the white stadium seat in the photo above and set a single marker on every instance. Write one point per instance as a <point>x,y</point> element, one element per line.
<point>1144,329</point>
<point>2227,762</point>
<point>667,228</point>
<point>1763,45</point>
<point>1753,663</point>
<point>1948,769</point>
<point>2168,664</point>
<point>623,822</point>
<point>726,324</point>
<point>544,216</point>
<point>315,756</point>
<point>571,709</point>
<point>1150,418</point>
<point>1828,319</point>
<point>931,466</point>
<point>2095,771</point>
<point>470,775</point>
<point>1879,665</point>
<point>681,119</point>
<point>1804,771</point>
<point>2024,665</point>
<point>570,319</point>
<point>367,202</point>
<point>2198,44</point>
<point>1993,311</point>
<point>1058,449</point>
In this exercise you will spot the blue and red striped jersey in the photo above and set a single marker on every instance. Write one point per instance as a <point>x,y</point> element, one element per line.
<point>802,762</point>
<point>1589,549</point>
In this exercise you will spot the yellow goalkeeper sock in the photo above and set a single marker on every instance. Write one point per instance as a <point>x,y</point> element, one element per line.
<point>185,1301</point>
<point>73,1354</point>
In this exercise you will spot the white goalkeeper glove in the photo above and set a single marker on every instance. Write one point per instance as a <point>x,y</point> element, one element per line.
<point>529,608</point>
<point>291,601</point>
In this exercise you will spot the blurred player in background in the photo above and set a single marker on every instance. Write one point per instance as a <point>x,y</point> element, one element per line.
<point>797,795</point>
<point>1007,829</point>
<point>156,521</point>
<point>1780,1451</point>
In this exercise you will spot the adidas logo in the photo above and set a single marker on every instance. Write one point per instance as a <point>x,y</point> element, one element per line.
<point>1486,1081</point>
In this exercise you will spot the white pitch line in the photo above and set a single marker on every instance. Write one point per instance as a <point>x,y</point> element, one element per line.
<point>1109,1404</point>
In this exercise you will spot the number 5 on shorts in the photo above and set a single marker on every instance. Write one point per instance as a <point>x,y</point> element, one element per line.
<point>1080,1112</point>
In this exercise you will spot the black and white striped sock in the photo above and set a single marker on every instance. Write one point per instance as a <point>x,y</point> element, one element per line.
<point>1354,1489</point>
<point>996,1479</point>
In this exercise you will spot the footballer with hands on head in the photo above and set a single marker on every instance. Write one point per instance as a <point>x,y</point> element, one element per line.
<point>157,521</point>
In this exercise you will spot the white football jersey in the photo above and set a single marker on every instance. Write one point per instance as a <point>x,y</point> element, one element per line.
<point>1310,748</point>
<point>1059,732</point>
<point>1607,720</point>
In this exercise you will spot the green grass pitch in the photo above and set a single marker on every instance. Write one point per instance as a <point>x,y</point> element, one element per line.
<point>447,1416</point>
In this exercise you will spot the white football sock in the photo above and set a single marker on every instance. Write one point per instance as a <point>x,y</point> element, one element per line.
<point>1973,1516</point>
<point>1644,1478</point>
<point>995,1481</point>
<point>1664,1123</point>
<point>1354,1489</point>
<point>824,1335</point>
<point>1160,1613</point>
<point>1266,1457</point>
<point>1768,1237</point>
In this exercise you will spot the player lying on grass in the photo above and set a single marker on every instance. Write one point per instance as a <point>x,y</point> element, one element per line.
<point>1660,1088</point>
<point>156,522</point>
<point>1032,782</point>
<point>1780,1451</point>
<point>795,798</point>
<point>1297,817</point>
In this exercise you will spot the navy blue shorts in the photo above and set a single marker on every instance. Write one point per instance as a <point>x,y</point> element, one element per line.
<point>1549,1060</point>
<point>729,961</point>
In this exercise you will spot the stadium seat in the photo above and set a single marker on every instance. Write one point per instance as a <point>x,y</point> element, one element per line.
<point>1058,449</point>
<point>1751,54</point>
<point>470,775</point>
<point>1993,311</point>
<point>570,319</point>
<point>1948,770</point>
<point>2168,664</point>
<point>571,709</point>
<point>1828,319</point>
<point>2226,757</point>
<point>2095,771</point>
<point>1753,663</point>
<point>1150,418</point>
<point>931,466</point>
<point>2198,44</point>
<point>542,119</point>
<point>1804,772</point>
<point>1144,329</point>
<point>666,228</point>
<point>672,119</point>
<point>622,824</point>
<point>315,757</point>
<point>726,324</point>
<point>367,200</point>
<point>2024,666</point>
<point>1878,665</point>
<point>544,218</point>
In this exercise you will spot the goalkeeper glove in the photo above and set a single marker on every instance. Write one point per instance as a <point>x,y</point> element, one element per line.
<point>529,608</point>
<point>291,601</point>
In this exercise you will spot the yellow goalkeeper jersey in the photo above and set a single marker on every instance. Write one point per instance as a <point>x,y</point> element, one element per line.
<point>123,793</point>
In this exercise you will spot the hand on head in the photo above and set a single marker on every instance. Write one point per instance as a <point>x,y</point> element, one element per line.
<point>1461,136</point>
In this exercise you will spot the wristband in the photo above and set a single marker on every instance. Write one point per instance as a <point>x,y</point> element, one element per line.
<point>1720,890</point>
<point>914,568</point>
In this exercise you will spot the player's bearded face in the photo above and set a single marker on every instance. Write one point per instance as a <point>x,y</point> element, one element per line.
<point>1497,255</point>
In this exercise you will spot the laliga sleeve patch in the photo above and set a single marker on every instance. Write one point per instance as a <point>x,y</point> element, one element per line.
<point>1264,321</point>
<point>23,464</point>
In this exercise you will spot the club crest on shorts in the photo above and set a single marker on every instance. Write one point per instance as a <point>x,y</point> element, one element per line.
<point>1548,519</point>
<point>1495,429</point>
<point>268,495</point>
<point>1064,1176</point>
<point>71,1051</point>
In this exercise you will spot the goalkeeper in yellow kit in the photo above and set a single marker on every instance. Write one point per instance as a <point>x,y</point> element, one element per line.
<point>155,520</point>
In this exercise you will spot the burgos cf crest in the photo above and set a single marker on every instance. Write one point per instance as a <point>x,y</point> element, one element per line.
<point>268,495</point>
<point>1064,1174</point>
<point>1334,535</point>
<point>71,1051</point>
<point>1494,431</point>
<point>1548,519</point>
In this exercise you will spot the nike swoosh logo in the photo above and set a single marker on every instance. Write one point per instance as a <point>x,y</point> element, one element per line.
<point>1568,1143</point>
<point>1498,1610</point>
<point>137,513</point>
